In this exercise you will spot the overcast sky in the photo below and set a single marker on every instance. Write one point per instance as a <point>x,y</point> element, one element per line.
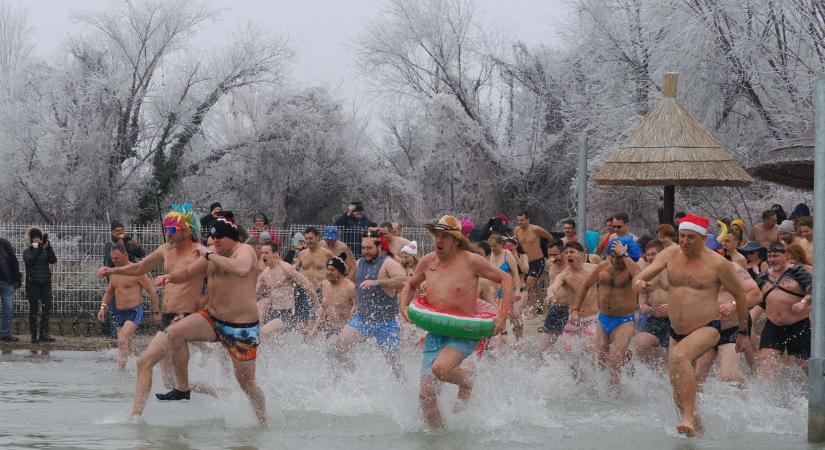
<point>319,30</point>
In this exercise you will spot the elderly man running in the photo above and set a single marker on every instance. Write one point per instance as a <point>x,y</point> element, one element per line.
<point>696,273</point>
<point>180,299</point>
<point>231,316</point>
<point>451,273</point>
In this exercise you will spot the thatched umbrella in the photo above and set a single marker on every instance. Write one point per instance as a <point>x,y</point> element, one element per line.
<point>791,163</point>
<point>670,148</point>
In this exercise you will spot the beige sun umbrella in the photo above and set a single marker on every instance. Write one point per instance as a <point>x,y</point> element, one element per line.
<point>791,163</point>
<point>670,148</point>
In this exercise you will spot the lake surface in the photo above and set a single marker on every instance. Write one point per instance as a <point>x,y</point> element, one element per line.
<point>67,399</point>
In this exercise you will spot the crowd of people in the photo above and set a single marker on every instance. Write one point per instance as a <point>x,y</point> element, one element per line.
<point>679,299</point>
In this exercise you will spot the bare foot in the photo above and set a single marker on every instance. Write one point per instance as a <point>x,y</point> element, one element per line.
<point>687,427</point>
<point>464,393</point>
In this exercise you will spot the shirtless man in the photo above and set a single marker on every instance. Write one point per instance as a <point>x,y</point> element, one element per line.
<point>275,291</point>
<point>181,227</point>
<point>451,273</point>
<point>766,232</point>
<point>558,294</point>
<point>231,316</point>
<point>568,227</point>
<point>338,305</point>
<point>805,226</point>
<point>696,274</point>
<point>725,349</point>
<point>654,336</point>
<point>529,236</point>
<point>788,235</point>
<point>617,304</point>
<point>396,242</point>
<point>312,262</point>
<point>332,243</point>
<point>377,279</point>
<point>397,229</point>
<point>786,293</point>
<point>128,310</point>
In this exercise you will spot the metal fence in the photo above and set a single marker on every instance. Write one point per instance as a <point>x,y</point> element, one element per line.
<point>79,250</point>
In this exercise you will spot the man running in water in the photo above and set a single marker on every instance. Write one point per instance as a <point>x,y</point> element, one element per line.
<point>617,304</point>
<point>275,291</point>
<point>377,279</point>
<point>654,334</point>
<point>558,294</point>
<point>529,236</point>
<point>786,294</point>
<point>128,310</point>
<point>332,243</point>
<point>338,300</point>
<point>180,299</point>
<point>696,274</point>
<point>312,262</point>
<point>231,316</point>
<point>451,273</point>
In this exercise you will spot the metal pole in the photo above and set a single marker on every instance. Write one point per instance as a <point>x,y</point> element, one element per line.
<point>581,191</point>
<point>816,376</point>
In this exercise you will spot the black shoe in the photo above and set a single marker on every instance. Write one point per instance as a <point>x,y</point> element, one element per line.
<point>34,339</point>
<point>9,338</point>
<point>174,394</point>
<point>47,338</point>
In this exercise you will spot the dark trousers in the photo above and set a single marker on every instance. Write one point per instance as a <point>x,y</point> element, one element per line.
<point>39,294</point>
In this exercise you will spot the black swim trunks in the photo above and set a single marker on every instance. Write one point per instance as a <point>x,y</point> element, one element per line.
<point>796,338</point>
<point>678,337</point>
<point>287,316</point>
<point>659,327</point>
<point>536,268</point>
<point>728,335</point>
<point>556,319</point>
<point>167,319</point>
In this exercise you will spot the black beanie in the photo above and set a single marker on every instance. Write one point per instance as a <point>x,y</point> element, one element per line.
<point>338,264</point>
<point>116,224</point>
<point>224,226</point>
<point>214,205</point>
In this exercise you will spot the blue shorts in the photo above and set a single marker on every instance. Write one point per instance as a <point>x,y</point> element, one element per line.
<point>437,342</point>
<point>610,323</point>
<point>121,316</point>
<point>386,333</point>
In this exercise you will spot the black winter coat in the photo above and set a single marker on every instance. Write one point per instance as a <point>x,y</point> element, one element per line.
<point>37,263</point>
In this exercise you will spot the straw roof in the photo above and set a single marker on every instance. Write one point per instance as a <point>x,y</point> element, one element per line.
<point>791,163</point>
<point>671,148</point>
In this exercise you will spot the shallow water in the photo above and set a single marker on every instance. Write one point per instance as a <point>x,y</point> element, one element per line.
<point>78,400</point>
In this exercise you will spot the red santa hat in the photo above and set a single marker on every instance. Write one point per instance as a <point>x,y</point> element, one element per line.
<point>698,224</point>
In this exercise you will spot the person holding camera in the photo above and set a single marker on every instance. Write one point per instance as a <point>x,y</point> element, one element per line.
<point>119,236</point>
<point>9,281</point>
<point>38,257</point>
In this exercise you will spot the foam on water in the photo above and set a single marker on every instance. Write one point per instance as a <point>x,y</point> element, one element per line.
<point>518,402</point>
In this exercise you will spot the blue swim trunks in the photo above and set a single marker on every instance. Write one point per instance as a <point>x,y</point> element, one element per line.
<point>121,316</point>
<point>437,342</point>
<point>610,323</point>
<point>387,333</point>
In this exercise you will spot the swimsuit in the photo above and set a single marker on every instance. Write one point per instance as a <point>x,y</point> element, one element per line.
<point>121,316</point>
<point>435,343</point>
<point>167,319</point>
<point>557,317</point>
<point>715,324</point>
<point>536,268</point>
<point>387,333</point>
<point>795,338</point>
<point>506,268</point>
<point>728,335</point>
<point>240,339</point>
<point>659,327</point>
<point>287,316</point>
<point>610,323</point>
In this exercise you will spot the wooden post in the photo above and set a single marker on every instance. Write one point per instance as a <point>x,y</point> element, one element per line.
<point>670,200</point>
<point>670,84</point>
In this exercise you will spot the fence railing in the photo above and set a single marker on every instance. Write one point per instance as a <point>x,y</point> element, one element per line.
<point>79,250</point>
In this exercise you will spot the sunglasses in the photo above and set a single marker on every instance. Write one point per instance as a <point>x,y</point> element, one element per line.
<point>171,229</point>
<point>618,227</point>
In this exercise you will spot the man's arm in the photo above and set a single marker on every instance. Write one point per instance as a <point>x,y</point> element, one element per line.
<point>394,273</point>
<point>558,282</point>
<point>541,232</point>
<point>734,285</point>
<point>241,264</point>
<point>195,268</point>
<point>484,269</point>
<point>581,293</point>
<point>146,284</point>
<point>412,285</point>
<point>293,274</point>
<point>104,304</point>
<point>659,264</point>
<point>299,264</point>
<point>145,265</point>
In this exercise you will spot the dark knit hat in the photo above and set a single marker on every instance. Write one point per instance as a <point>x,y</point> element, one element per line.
<point>338,264</point>
<point>225,226</point>
<point>215,205</point>
<point>116,224</point>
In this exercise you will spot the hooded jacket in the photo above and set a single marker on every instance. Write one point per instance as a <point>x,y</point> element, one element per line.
<point>38,260</point>
<point>9,267</point>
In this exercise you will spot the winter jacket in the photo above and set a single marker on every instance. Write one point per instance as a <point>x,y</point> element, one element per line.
<point>9,266</point>
<point>37,261</point>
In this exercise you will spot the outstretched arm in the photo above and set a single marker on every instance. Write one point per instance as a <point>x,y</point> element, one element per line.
<point>581,293</point>
<point>304,282</point>
<point>412,285</point>
<point>145,265</point>
<point>659,264</point>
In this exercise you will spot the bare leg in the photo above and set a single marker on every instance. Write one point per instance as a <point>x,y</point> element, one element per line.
<point>191,328</point>
<point>768,360</point>
<point>428,399</point>
<point>646,347</point>
<point>703,365</point>
<point>394,360</point>
<point>681,358</point>
<point>729,365</point>
<point>342,344</point>
<point>272,327</point>
<point>124,343</point>
<point>154,353</point>
<point>245,374</point>
<point>447,368</point>
<point>602,347</point>
<point>617,356</point>
<point>548,340</point>
<point>516,316</point>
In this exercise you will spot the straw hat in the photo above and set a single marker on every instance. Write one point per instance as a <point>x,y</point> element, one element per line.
<point>447,224</point>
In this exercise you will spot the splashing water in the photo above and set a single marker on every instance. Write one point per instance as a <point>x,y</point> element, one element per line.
<point>79,400</point>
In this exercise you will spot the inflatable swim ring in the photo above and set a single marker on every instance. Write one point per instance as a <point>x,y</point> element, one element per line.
<point>451,323</point>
